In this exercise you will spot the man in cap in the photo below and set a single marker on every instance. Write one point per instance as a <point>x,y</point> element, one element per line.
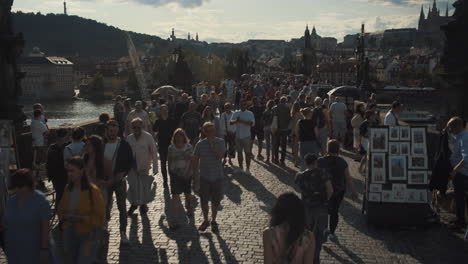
<point>138,113</point>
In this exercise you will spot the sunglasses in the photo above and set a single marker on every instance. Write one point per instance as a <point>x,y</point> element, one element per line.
<point>136,127</point>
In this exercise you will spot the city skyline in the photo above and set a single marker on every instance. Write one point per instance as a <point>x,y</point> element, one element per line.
<point>226,21</point>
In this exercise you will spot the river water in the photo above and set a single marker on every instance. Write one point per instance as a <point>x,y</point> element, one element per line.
<point>71,112</point>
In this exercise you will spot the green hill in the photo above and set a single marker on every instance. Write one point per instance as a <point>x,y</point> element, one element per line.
<point>63,35</point>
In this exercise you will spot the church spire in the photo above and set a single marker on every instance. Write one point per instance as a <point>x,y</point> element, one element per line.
<point>422,19</point>
<point>446,10</point>
<point>434,7</point>
<point>307,43</point>
<point>64,7</point>
<point>314,32</point>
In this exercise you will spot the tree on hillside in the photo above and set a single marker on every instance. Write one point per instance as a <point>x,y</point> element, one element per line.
<point>237,63</point>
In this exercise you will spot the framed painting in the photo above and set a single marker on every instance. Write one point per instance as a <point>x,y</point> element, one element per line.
<point>379,140</point>
<point>417,177</point>
<point>397,168</point>
<point>394,133</point>
<point>394,148</point>
<point>378,168</point>
<point>405,134</point>
<point>418,135</point>
<point>405,148</point>
<point>417,162</point>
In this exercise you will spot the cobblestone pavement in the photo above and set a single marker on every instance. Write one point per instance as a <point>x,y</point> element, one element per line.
<point>245,214</point>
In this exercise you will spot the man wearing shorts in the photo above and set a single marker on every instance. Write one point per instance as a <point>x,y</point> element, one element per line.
<point>258,129</point>
<point>244,120</point>
<point>208,156</point>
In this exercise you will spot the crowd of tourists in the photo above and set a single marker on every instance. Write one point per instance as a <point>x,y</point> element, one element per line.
<point>190,141</point>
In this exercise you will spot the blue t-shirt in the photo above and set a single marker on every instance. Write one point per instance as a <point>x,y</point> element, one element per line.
<point>23,228</point>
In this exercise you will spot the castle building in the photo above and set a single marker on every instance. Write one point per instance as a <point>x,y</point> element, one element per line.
<point>429,31</point>
<point>434,20</point>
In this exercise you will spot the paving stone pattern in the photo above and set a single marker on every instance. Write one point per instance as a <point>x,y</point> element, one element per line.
<point>246,205</point>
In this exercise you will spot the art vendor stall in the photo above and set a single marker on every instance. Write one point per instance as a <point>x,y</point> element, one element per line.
<point>7,160</point>
<point>397,176</point>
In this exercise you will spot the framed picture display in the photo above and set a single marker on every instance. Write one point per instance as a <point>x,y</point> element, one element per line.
<point>418,149</point>
<point>394,148</point>
<point>418,135</point>
<point>6,135</point>
<point>378,168</point>
<point>376,188</point>
<point>417,177</point>
<point>416,196</point>
<point>397,167</point>
<point>399,193</point>
<point>375,197</point>
<point>394,133</point>
<point>379,140</point>
<point>405,148</point>
<point>405,133</point>
<point>417,162</point>
<point>387,196</point>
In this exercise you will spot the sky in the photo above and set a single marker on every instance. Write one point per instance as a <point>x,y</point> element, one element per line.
<point>240,20</point>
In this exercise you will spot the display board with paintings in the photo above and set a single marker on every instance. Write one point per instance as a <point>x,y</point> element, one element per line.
<point>7,159</point>
<point>398,168</point>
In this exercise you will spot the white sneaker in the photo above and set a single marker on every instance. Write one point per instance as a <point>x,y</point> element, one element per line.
<point>124,239</point>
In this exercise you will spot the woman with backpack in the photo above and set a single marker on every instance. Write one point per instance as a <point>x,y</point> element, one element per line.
<point>287,239</point>
<point>82,212</point>
<point>338,168</point>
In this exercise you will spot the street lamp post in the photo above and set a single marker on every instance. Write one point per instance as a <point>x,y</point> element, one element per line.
<point>318,72</point>
<point>210,62</point>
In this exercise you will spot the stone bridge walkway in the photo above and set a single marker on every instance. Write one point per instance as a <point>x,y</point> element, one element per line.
<point>245,214</point>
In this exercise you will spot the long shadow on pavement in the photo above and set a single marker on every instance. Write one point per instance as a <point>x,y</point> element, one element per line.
<point>433,244</point>
<point>129,254</point>
<point>283,174</point>
<point>251,184</point>
<point>232,191</point>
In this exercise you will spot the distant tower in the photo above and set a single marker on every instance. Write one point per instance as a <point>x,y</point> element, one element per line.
<point>307,44</point>
<point>422,19</point>
<point>314,32</point>
<point>188,36</point>
<point>64,8</point>
<point>446,10</point>
<point>173,37</point>
<point>196,37</point>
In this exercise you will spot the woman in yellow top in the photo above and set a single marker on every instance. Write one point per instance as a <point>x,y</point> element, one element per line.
<point>82,212</point>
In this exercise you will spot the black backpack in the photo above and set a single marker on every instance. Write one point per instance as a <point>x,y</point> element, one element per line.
<point>312,187</point>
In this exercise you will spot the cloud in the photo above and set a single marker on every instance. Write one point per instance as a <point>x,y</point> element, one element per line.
<point>399,3</point>
<point>157,3</point>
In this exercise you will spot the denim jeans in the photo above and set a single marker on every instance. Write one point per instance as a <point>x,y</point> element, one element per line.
<point>120,191</point>
<point>281,139</point>
<point>317,222</point>
<point>268,139</point>
<point>79,248</point>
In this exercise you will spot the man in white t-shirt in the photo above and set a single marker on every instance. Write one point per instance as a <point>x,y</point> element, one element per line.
<point>391,118</point>
<point>244,120</point>
<point>338,112</point>
<point>38,130</point>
